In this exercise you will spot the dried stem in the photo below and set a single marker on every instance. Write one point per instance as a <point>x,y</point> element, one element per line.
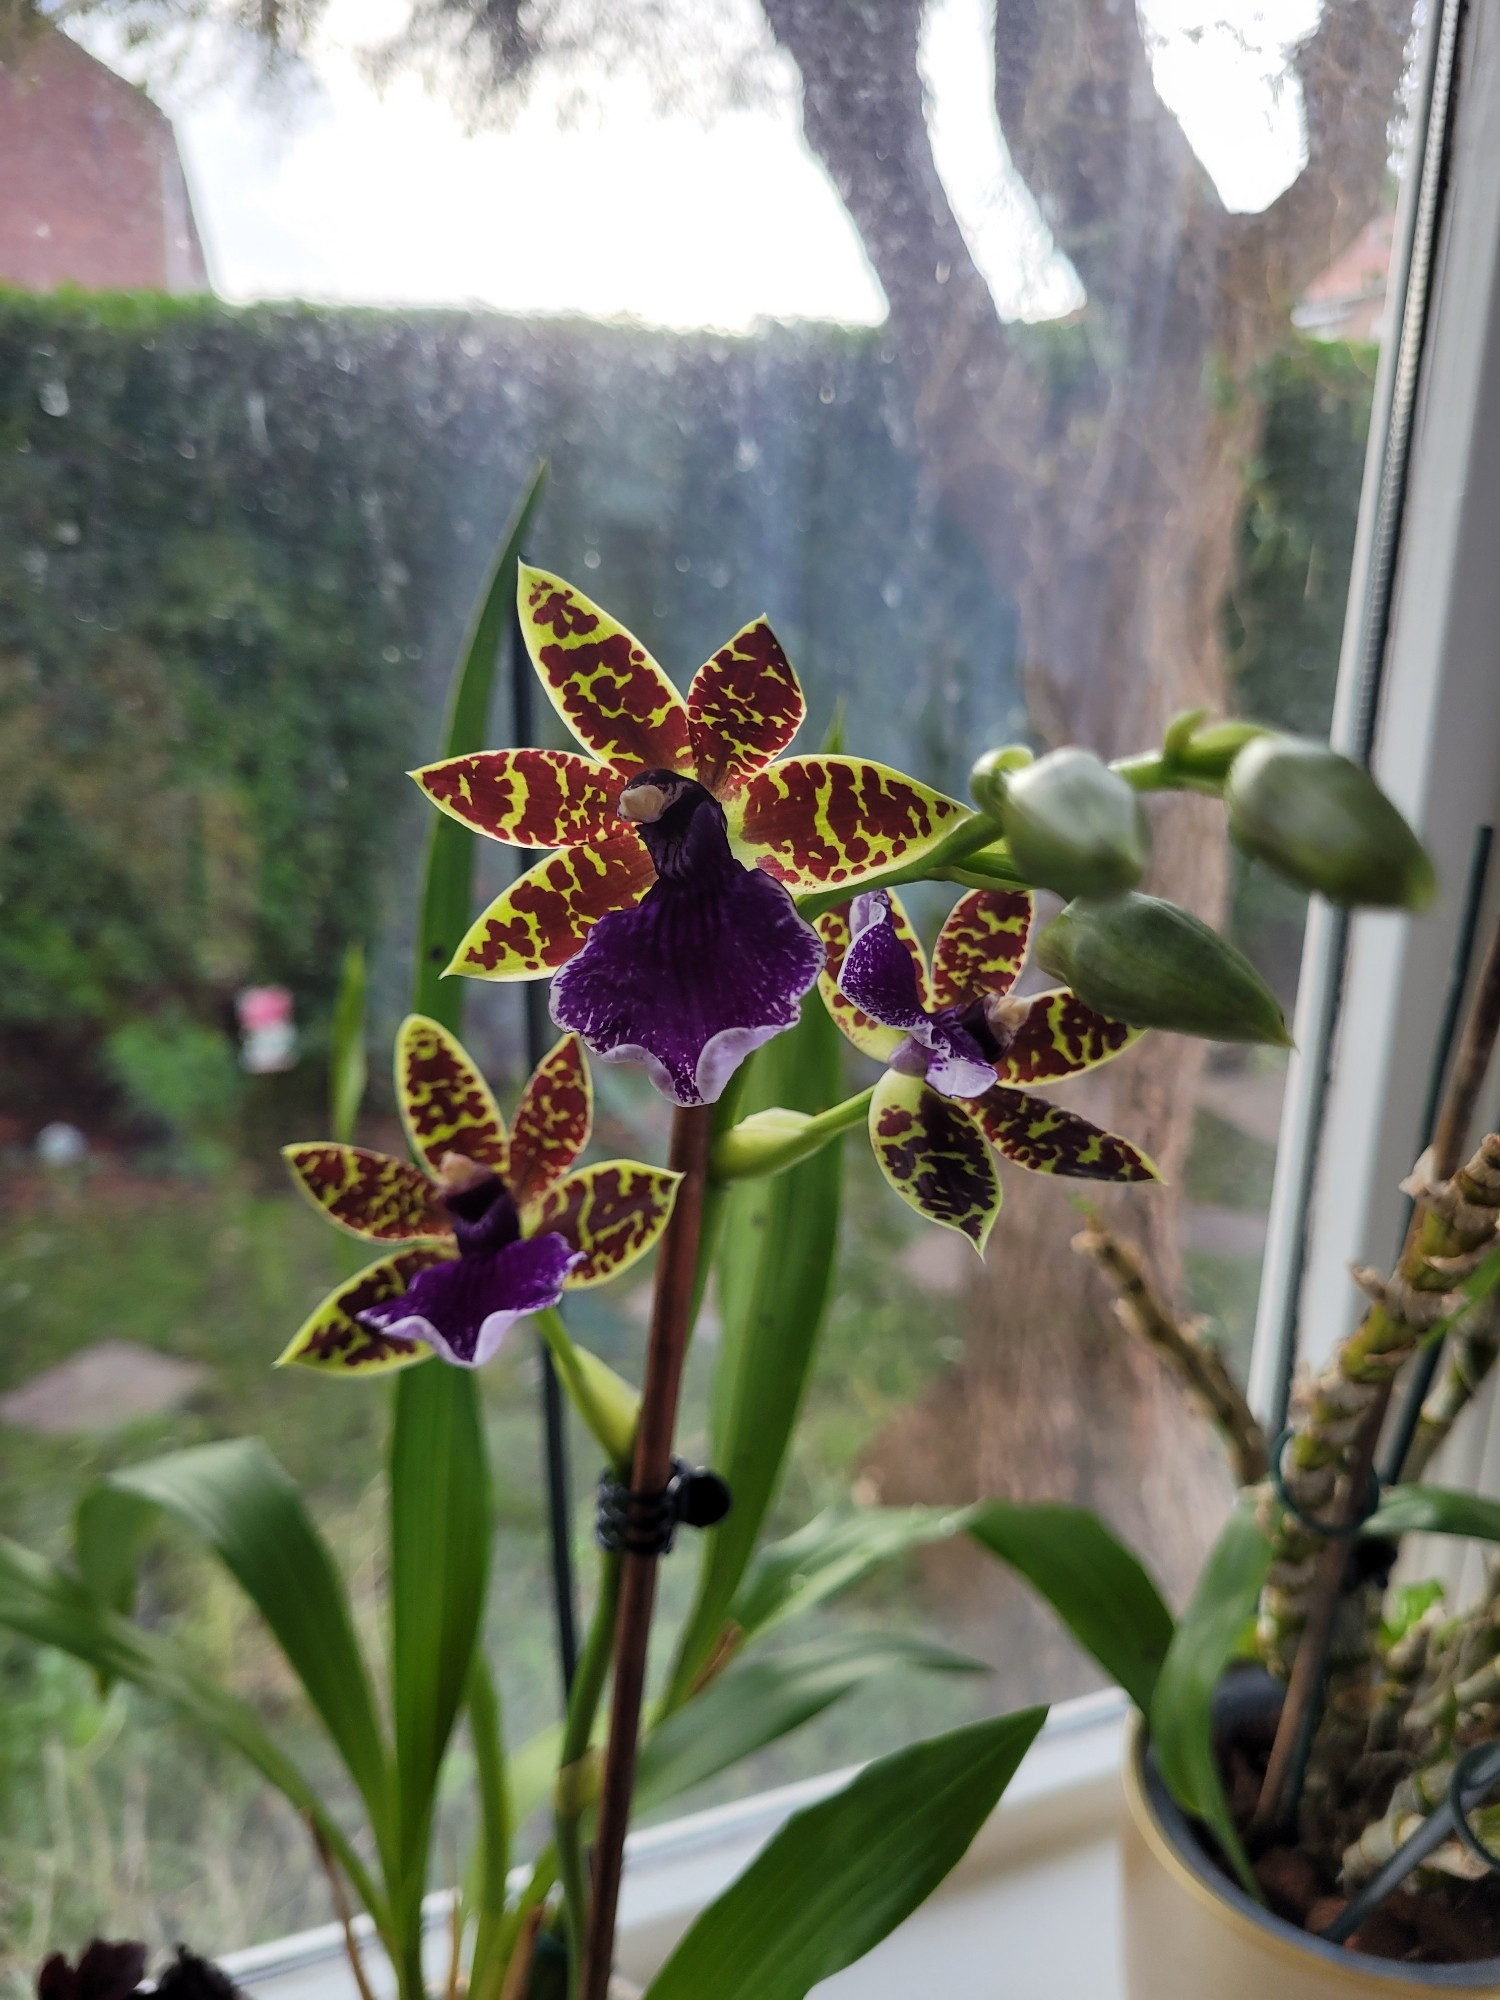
<point>1340,1429</point>
<point>1197,1365</point>
<point>671,1316</point>
<point>341,1906</point>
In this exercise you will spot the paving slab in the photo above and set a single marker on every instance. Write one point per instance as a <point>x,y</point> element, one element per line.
<point>103,1388</point>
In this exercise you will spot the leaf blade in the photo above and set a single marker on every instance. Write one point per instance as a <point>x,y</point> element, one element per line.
<point>1206,1638</point>
<point>841,1875</point>
<point>1100,1591</point>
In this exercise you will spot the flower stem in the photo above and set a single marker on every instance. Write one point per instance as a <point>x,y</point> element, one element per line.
<point>671,1318</point>
<point>768,1142</point>
<point>571,1799</point>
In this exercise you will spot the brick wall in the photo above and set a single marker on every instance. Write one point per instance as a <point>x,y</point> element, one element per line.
<point>91,187</point>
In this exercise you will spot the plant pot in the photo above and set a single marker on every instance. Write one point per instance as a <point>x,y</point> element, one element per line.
<point>1191,1934</point>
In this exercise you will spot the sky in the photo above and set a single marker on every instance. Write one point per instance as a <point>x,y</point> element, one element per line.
<point>619,208</point>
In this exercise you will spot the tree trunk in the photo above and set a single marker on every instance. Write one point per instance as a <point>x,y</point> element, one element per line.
<point>1108,509</point>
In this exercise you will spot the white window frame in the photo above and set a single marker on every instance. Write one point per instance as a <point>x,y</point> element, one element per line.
<point>1370,1001</point>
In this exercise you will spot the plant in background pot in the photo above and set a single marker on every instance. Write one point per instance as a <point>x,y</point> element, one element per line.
<point>698,883</point>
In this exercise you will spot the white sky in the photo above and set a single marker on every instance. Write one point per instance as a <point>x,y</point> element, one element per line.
<point>362,196</point>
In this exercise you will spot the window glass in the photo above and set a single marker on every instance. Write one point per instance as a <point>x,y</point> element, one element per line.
<point>1029,398</point>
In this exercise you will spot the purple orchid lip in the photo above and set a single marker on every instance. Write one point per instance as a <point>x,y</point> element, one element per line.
<point>464,1308</point>
<point>880,978</point>
<point>712,962</point>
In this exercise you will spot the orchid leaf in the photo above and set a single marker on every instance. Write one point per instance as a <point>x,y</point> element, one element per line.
<point>763,1700</point>
<point>1435,1510</point>
<point>1096,1586</point>
<point>238,1499</point>
<point>775,1271</point>
<point>831,1554</point>
<point>841,1875</point>
<point>50,1608</point>
<point>1207,1637</point>
<point>448,888</point>
<point>441,1523</point>
<point>347,1068</point>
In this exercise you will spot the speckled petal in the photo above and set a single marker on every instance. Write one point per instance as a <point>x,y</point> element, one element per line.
<point>1048,1140</point>
<point>334,1339</point>
<point>1058,1036</point>
<point>446,1105</point>
<point>692,980</point>
<point>982,946</point>
<point>602,681</point>
<point>834,822</point>
<point>465,1308</point>
<point>612,1212</point>
<point>552,1122</point>
<point>542,920</point>
<point>530,798</point>
<point>385,1200</point>
<point>934,1156</point>
<point>744,708</point>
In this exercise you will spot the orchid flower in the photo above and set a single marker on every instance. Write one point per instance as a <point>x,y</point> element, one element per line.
<point>491,1228</point>
<point>681,839</point>
<point>958,1047</point>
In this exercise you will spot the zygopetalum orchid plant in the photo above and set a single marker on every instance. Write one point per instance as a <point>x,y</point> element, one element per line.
<point>699,884</point>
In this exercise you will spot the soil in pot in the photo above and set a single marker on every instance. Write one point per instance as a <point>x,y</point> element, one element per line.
<point>1454,1923</point>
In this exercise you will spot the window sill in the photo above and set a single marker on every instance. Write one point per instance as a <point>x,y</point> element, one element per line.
<point>1040,1885</point>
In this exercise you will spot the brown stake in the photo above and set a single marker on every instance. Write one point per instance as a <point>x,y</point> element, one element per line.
<point>671,1313</point>
<point>1298,1718</point>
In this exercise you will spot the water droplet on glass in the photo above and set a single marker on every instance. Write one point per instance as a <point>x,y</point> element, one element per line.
<point>825,394</point>
<point>53,397</point>
<point>682,565</point>
<point>591,558</point>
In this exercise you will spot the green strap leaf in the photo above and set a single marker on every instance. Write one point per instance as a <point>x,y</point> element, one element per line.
<point>765,1699</point>
<point>833,1552</point>
<point>1208,1636</point>
<point>842,1875</point>
<point>775,1271</point>
<point>47,1606</point>
<point>1096,1586</point>
<point>1435,1510</point>
<point>449,881</point>
<point>346,1047</point>
<point>247,1508</point>
<point>440,1529</point>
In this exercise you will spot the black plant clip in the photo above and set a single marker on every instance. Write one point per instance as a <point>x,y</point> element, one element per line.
<point>646,1524</point>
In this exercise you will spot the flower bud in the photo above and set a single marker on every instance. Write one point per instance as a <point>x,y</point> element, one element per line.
<point>991,774</point>
<point>1324,823</point>
<point>1154,965</point>
<point>1075,826</point>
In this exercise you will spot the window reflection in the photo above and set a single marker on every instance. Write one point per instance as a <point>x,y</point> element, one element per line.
<point>1015,358</point>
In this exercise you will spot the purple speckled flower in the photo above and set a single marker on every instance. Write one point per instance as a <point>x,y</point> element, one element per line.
<point>464,1307</point>
<point>945,1047</point>
<point>713,961</point>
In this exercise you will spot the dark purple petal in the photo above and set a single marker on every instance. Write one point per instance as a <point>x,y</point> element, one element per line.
<point>880,979</point>
<point>712,962</point>
<point>465,1307</point>
<point>878,975</point>
<point>106,1971</point>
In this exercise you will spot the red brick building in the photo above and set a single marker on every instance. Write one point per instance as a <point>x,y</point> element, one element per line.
<point>92,190</point>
